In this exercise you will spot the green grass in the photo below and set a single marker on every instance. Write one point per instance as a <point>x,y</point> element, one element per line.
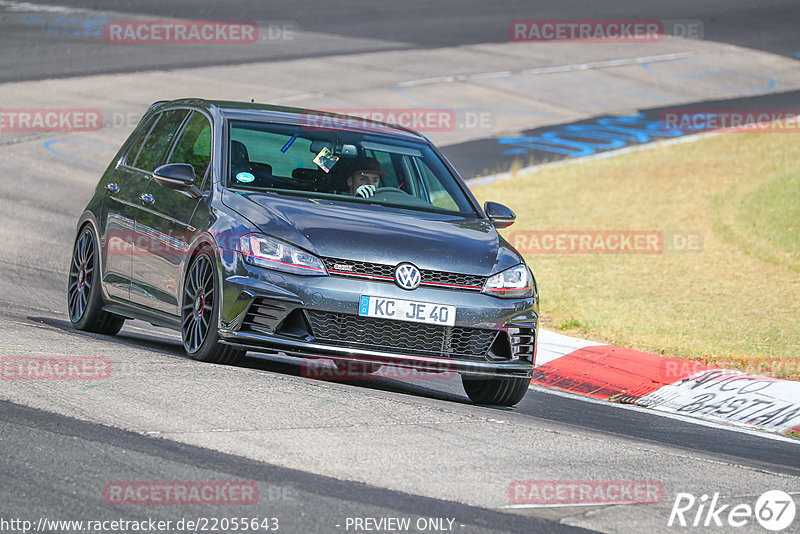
<point>735,303</point>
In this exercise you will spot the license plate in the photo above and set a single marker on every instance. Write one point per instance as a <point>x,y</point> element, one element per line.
<point>407,310</point>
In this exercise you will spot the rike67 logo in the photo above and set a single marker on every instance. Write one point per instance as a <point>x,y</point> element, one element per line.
<point>774,510</point>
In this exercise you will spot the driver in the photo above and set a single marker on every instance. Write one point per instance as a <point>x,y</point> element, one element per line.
<point>364,180</point>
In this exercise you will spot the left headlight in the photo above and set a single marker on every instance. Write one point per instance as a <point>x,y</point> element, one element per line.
<point>272,253</point>
<point>513,283</point>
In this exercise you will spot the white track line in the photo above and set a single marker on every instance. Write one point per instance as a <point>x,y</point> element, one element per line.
<point>604,64</point>
<point>26,7</point>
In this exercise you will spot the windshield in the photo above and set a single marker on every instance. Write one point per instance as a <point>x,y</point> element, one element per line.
<point>341,165</point>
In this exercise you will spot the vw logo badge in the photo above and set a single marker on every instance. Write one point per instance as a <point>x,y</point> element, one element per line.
<point>407,276</point>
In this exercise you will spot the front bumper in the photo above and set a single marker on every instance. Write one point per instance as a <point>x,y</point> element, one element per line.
<point>246,287</point>
<point>303,349</point>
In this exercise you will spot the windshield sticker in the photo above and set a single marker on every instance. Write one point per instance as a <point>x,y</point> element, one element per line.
<point>288,144</point>
<point>325,160</point>
<point>245,177</point>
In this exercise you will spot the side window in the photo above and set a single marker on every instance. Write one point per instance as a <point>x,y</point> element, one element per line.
<point>439,196</point>
<point>141,135</point>
<point>194,146</point>
<point>156,145</point>
<point>283,153</point>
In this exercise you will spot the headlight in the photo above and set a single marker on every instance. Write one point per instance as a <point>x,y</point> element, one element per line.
<point>268,252</point>
<point>512,283</point>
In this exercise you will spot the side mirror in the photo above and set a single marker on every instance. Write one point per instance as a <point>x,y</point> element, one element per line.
<point>501,216</point>
<point>179,176</point>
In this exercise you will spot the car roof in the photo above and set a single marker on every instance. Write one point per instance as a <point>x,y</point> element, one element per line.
<point>298,116</point>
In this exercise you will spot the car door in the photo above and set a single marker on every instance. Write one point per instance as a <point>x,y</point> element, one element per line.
<point>123,187</point>
<point>152,154</point>
<point>165,221</point>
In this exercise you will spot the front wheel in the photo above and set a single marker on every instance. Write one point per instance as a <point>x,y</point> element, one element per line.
<point>84,302</point>
<point>199,310</point>
<point>496,391</point>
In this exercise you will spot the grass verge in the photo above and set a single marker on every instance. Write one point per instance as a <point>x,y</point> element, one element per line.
<point>735,302</point>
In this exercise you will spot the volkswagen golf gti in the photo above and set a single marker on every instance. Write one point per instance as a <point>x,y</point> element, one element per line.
<point>250,227</point>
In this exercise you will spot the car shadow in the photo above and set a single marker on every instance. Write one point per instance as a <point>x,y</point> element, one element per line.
<point>296,367</point>
<point>272,363</point>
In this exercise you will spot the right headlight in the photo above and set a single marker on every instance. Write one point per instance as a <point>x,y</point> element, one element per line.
<point>271,253</point>
<point>513,283</point>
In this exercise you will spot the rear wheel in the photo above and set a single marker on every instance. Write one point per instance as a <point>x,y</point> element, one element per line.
<point>199,310</point>
<point>84,303</point>
<point>496,391</point>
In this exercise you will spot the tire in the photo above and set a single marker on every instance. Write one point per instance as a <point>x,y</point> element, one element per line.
<point>199,310</point>
<point>496,391</point>
<point>84,301</point>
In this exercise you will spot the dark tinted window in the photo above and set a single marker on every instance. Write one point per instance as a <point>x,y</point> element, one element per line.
<point>194,146</point>
<point>387,166</point>
<point>141,135</point>
<point>316,162</point>
<point>156,145</point>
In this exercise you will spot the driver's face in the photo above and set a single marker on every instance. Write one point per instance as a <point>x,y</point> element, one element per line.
<point>359,178</point>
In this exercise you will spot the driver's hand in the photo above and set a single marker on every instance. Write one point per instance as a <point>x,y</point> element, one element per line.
<point>366,191</point>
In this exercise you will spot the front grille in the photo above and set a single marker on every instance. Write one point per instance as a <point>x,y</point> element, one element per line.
<point>355,268</point>
<point>454,279</point>
<point>381,271</point>
<point>400,336</point>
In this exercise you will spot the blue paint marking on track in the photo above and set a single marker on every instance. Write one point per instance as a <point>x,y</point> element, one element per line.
<point>579,140</point>
<point>48,145</point>
<point>63,25</point>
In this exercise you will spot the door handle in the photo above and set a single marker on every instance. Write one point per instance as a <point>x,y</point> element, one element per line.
<point>112,188</point>
<point>147,198</point>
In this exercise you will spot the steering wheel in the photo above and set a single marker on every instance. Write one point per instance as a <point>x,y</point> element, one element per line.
<point>310,183</point>
<point>387,193</point>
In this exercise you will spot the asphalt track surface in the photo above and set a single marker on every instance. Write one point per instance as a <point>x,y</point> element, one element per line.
<point>320,452</point>
<point>77,452</point>
<point>768,26</point>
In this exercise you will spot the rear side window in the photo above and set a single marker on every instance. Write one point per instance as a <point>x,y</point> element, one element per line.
<point>141,135</point>
<point>194,146</point>
<point>155,146</point>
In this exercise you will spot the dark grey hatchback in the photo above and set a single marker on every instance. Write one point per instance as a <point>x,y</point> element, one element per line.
<point>283,230</point>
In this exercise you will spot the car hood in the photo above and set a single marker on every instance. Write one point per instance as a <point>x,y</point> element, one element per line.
<point>377,234</point>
